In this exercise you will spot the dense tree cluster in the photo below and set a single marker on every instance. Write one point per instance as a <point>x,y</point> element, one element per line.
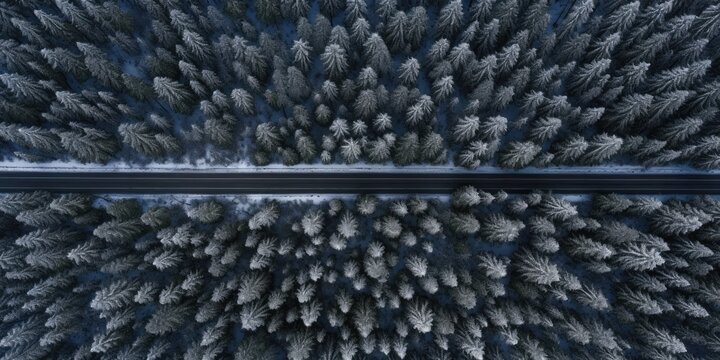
<point>512,83</point>
<point>477,276</point>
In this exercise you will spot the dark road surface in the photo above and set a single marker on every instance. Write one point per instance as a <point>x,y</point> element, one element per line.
<point>336,183</point>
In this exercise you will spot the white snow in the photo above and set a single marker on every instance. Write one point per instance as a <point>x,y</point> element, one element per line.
<point>245,167</point>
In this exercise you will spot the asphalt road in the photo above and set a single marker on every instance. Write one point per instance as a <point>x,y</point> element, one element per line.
<point>338,183</point>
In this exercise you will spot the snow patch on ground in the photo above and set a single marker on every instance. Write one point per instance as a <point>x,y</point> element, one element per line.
<point>185,199</point>
<point>244,167</point>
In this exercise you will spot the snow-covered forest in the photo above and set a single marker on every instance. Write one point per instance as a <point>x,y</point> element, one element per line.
<point>472,276</point>
<point>484,85</point>
<point>511,83</point>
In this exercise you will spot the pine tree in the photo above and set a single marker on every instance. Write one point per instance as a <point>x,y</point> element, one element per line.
<point>420,316</point>
<point>407,149</point>
<point>474,154</point>
<point>168,259</point>
<point>588,75</point>
<point>13,204</point>
<point>464,223</point>
<point>498,228</point>
<point>52,23</point>
<point>364,318</point>
<point>395,34</point>
<point>502,98</point>
<point>29,31</point>
<point>24,88</point>
<point>432,148</point>
<point>321,33</point>
<point>376,54</point>
<point>71,204</point>
<point>266,216</point>
<point>139,137</point>
<point>706,96</point>
<point>390,227</point>
<point>268,10</point>
<point>157,217</point>
<point>545,129</point>
<point>707,24</point>
<point>417,26</point>
<point>460,56</point>
<point>664,105</point>
<point>116,231</point>
<point>601,147</point>
<point>41,217</point>
<point>305,147</point>
<point>360,31</point>
<point>672,222</point>
<point>690,308</point>
<point>351,150</point>
<point>267,136</point>
<point>334,61</point>
<point>255,347</point>
<point>468,196</point>
<point>556,208</point>
<point>507,58</point>
<point>114,296</point>
<point>355,9</point>
<point>197,45</point>
<point>379,150</point>
<point>570,149</point>
<point>167,318</point>
<point>244,101</point>
<point>417,266</point>
<point>493,128</point>
<point>301,52</point>
<point>174,93</point>
<point>366,104</point>
<point>466,128</point>
<point>536,268</point>
<point>679,77</point>
<point>443,88</point>
<point>492,266</point>
<point>535,18</point>
<point>409,71</point>
<point>219,131</point>
<point>297,85</point>
<point>89,144</point>
<point>340,128</point>
<point>294,9</point>
<point>300,345</point>
<point>348,226</point>
<point>660,338</point>
<point>638,257</point>
<point>450,19</point>
<point>206,212</point>
<point>100,66</point>
<point>32,137</point>
<point>577,16</point>
<point>621,19</point>
<point>518,154</point>
<point>584,247</point>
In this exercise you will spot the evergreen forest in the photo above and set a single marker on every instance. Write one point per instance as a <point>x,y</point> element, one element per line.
<point>471,275</point>
<point>525,90</point>
<point>469,83</point>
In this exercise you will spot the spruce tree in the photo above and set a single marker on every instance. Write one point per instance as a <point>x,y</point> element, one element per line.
<point>179,98</point>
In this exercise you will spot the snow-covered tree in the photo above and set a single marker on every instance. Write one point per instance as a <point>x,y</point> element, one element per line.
<point>174,93</point>
<point>450,19</point>
<point>519,154</point>
<point>335,61</point>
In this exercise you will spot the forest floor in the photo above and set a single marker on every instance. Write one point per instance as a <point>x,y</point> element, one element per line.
<point>72,166</point>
